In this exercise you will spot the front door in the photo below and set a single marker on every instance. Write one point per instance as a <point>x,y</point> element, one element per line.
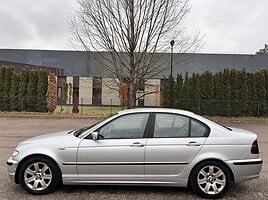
<point>119,151</point>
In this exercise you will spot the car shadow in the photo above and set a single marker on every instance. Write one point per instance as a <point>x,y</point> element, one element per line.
<point>116,191</point>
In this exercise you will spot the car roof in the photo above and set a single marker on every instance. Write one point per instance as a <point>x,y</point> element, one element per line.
<point>158,110</point>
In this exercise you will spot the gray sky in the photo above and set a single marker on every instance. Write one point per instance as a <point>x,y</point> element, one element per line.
<point>228,26</point>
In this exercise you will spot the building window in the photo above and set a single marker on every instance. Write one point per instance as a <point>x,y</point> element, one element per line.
<point>59,92</point>
<point>61,80</point>
<point>97,91</point>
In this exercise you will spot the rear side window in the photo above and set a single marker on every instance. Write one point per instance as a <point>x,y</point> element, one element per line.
<point>198,129</point>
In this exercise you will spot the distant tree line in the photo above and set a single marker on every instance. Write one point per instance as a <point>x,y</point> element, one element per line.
<point>23,92</point>
<point>229,92</point>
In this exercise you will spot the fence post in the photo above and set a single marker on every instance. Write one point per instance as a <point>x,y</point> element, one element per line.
<point>258,109</point>
<point>111,109</point>
<point>229,109</point>
<point>81,105</point>
<point>199,107</point>
<point>22,107</point>
<point>60,105</point>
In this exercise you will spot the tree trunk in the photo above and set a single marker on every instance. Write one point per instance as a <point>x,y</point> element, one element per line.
<point>132,92</point>
<point>131,95</point>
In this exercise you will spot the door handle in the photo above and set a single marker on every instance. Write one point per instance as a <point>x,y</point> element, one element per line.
<point>137,144</point>
<point>193,143</point>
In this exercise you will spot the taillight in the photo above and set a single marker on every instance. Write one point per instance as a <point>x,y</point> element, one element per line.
<point>255,147</point>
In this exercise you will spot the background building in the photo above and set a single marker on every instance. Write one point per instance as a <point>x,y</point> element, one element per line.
<point>92,84</point>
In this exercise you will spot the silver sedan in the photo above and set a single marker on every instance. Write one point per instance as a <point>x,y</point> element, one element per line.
<point>165,147</point>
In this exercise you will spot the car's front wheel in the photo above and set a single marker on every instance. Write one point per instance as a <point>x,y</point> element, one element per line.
<point>210,179</point>
<point>39,175</point>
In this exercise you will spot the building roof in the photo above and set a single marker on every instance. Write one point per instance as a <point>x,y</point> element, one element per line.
<point>19,66</point>
<point>80,63</point>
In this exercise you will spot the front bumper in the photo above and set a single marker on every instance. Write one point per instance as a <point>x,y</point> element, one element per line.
<point>245,169</point>
<point>11,168</point>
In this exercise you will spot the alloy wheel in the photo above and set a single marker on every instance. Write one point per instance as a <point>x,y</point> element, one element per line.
<point>211,179</point>
<point>38,176</point>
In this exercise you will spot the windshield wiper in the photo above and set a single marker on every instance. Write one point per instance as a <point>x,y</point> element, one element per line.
<point>70,131</point>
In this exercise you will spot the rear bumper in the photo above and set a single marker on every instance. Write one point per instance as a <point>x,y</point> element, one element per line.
<point>245,169</point>
<point>253,162</point>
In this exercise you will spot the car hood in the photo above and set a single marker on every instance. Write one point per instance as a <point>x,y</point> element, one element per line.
<point>47,138</point>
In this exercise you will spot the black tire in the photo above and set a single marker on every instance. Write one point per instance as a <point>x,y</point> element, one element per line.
<point>42,173</point>
<point>210,179</point>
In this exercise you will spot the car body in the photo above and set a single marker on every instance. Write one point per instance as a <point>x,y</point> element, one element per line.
<point>147,146</point>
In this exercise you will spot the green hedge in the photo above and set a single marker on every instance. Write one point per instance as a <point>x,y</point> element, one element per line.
<point>229,92</point>
<point>23,92</point>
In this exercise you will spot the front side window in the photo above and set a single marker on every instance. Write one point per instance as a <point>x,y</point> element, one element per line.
<point>125,127</point>
<point>171,126</point>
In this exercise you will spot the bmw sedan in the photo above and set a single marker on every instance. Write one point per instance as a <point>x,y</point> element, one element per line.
<point>154,146</point>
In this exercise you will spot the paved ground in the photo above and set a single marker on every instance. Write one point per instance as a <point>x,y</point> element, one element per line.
<point>14,130</point>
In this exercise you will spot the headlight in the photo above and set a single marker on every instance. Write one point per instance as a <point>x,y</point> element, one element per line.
<point>15,153</point>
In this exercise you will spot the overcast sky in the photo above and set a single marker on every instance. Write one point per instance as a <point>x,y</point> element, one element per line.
<point>228,26</point>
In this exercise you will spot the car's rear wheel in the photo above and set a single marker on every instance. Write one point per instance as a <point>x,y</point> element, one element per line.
<point>210,179</point>
<point>39,175</point>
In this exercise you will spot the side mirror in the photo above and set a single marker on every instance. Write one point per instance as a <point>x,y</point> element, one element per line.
<point>95,136</point>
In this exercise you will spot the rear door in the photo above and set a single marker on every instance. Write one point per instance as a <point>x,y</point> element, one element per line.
<point>174,143</point>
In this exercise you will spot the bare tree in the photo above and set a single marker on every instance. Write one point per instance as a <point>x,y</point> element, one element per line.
<point>133,32</point>
<point>263,51</point>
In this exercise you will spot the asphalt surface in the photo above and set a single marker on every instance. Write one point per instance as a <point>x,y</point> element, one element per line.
<point>15,130</point>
